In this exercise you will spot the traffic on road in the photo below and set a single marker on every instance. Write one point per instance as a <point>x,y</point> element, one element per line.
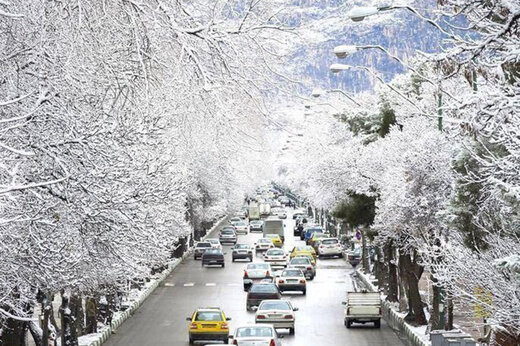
<point>268,287</point>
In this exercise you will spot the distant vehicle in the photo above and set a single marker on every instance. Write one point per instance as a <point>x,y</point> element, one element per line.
<point>279,313</point>
<point>254,212</point>
<point>354,256</point>
<point>305,265</point>
<point>274,226</point>
<point>259,292</point>
<point>317,237</point>
<point>256,334</point>
<point>208,324</point>
<point>241,227</point>
<point>276,257</point>
<point>200,248</point>
<point>363,307</point>
<point>215,243</point>
<point>292,279</point>
<point>263,244</point>
<point>255,272</point>
<point>242,251</point>
<point>308,232</point>
<point>256,226</point>
<point>284,200</point>
<point>213,257</point>
<point>227,235</point>
<point>265,209</point>
<point>298,213</point>
<point>234,220</point>
<point>303,250</point>
<point>275,238</point>
<point>330,247</point>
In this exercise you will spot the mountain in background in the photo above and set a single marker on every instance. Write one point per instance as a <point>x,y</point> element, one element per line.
<point>323,24</point>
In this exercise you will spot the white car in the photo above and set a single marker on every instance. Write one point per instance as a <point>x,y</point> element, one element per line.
<point>235,219</point>
<point>292,279</point>
<point>330,247</point>
<point>264,244</point>
<point>276,257</point>
<point>215,243</point>
<point>241,227</point>
<point>256,272</point>
<point>279,313</point>
<point>256,335</point>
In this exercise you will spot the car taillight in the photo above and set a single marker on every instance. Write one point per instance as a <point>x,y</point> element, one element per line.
<point>260,317</point>
<point>281,281</point>
<point>235,342</point>
<point>321,246</point>
<point>302,281</point>
<point>245,275</point>
<point>348,311</point>
<point>309,268</point>
<point>193,326</point>
<point>380,311</point>
<point>267,273</point>
<point>224,326</point>
<point>273,343</point>
<point>288,317</point>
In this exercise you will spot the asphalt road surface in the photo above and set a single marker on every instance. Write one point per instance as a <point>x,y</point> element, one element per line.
<point>161,320</point>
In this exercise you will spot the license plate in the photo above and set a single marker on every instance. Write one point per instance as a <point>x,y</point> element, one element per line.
<point>209,325</point>
<point>292,281</point>
<point>275,315</point>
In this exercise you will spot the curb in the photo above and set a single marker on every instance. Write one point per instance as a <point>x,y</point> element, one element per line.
<point>395,321</point>
<point>124,315</point>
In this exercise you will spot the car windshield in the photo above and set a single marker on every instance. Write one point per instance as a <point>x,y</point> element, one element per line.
<point>241,246</point>
<point>213,241</point>
<point>292,272</point>
<point>227,231</point>
<point>329,241</point>
<point>303,248</point>
<point>228,227</point>
<point>300,260</point>
<point>258,266</point>
<point>256,223</point>
<point>263,288</point>
<point>357,251</point>
<point>275,252</point>
<point>254,332</point>
<point>204,245</point>
<point>213,252</point>
<point>264,240</point>
<point>278,305</point>
<point>209,316</point>
<point>241,223</point>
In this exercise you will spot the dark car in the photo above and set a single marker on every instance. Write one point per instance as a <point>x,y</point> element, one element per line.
<point>354,257</point>
<point>200,249</point>
<point>213,257</point>
<point>259,292</point>
<point>242,251</point>
<point>298,229</point>
<point>228,235</point>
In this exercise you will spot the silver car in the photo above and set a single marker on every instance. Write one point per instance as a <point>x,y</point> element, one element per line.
<point>256,335</point>
<point>279,313</point>
<point>227,235</point>
<point>305,265</point>
<point>241,227</point>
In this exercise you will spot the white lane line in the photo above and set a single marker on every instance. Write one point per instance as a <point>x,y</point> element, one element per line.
<point>169,284</point>
<point>211,284</point>
<point>233,284</point>
<point>189,284</point>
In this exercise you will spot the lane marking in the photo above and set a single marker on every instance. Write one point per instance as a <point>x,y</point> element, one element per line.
<point>211,284</point>
<point>189,284</point>
<point>169,284</point>
<point>233,284</point>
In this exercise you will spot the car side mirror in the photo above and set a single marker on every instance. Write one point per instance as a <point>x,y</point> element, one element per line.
<point>254,308</point>
<point>230,337</point>
<point>295,309</point>
<point>228,318</point>
<point>280,336</point>
<point>188,318</point>
<point>343,303</point>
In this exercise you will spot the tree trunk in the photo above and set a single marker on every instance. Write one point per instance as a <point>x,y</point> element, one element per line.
<point>69,336</point>
<point>46,307</point>
<point>381,270</point>
<point>413,272</point>
<point>435,318</point>
<point>403,288</point>
<point>364,257</point>
<point>449,312</point>
<point>13,333</point>
<point>392,272</point>
<point>76,308</point>
<point>36,333</point>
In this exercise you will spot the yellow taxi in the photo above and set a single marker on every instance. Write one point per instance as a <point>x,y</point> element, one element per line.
<point>276,239</point>
<point>306,250</point>
<point>317,236</point>
<point>208,324</point>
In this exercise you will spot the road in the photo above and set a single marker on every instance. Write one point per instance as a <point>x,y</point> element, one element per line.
<point>161,320</point>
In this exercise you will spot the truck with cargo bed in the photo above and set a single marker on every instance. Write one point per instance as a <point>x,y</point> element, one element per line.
<point>363,307</point>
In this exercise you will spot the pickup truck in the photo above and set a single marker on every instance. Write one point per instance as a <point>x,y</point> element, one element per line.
<point>363,307</point>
